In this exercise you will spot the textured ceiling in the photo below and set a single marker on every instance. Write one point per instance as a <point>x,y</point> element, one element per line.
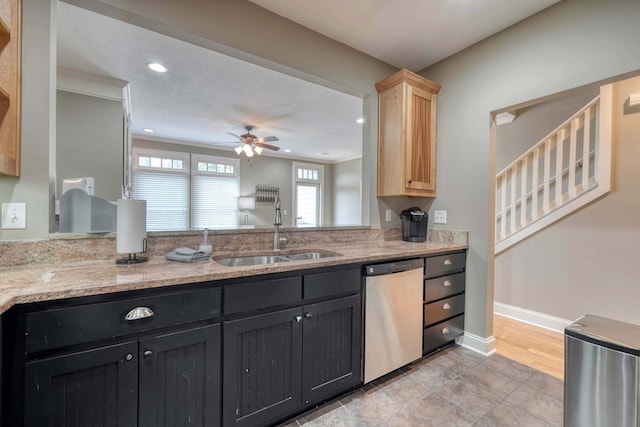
<point>411,34</point>
<point>205,94</point>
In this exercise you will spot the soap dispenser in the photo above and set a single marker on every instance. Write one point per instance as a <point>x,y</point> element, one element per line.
<point>206,246</point>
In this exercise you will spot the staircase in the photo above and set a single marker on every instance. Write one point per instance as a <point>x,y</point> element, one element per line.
<point>566,170</point>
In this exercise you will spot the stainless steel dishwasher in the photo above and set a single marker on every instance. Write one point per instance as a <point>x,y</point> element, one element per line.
<point>393,316</point>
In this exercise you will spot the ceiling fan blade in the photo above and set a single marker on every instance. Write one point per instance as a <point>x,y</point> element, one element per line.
<point>239,137</point>
<point>267,146</point>
<point>267,139</point>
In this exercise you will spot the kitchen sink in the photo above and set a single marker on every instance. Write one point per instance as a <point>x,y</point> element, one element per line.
<point>271,259</point>
<point>309,255</point>
<point>251,260</point>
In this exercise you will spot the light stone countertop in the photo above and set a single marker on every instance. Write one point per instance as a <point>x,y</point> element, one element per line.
<point>45,282</point>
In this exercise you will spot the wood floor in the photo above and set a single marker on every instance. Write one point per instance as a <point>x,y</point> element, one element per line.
<point>538,348</point>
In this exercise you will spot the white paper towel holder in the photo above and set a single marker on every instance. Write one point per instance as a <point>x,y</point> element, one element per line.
<point>131,234</point>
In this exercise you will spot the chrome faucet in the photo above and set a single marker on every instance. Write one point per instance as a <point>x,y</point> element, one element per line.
<point>277,222</point>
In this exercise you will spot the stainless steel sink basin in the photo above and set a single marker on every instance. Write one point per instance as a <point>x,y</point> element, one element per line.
<point>309,255</point>
<point>251,260</point>
<point>270,259</point>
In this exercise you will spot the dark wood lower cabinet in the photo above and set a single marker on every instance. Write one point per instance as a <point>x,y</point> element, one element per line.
<point>275,364</point>
<point>262,364</point>
<point>168,380</point>
<point>98,387</point>
<point>331,348</point>
<point>180,379</point>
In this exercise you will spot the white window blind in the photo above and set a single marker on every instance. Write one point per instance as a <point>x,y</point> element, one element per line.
<point>167,196</point>
<point>215,187</point>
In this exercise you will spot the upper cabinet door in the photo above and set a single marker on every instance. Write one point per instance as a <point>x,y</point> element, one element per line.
<point>10,77</point>
<point>407,135</point>
<point>420,162</point>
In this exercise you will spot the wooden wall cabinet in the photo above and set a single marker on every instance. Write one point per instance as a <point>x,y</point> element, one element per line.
<point>407,135</point>
<point>10,77</point>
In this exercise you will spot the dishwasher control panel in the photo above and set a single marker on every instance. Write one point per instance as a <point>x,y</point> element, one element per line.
<point>393,267</point>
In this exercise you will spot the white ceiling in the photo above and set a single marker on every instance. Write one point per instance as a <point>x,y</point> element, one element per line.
<point>206,94</point>
<point>411,34</point>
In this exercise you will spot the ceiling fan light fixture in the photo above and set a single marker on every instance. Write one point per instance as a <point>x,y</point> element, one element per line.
<point>249,153</point>
<point>238,149</point>
<point>247,149</point>
<point>258,150</point>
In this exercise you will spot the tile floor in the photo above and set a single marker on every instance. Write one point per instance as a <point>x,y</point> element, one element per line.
<point>455,387</point>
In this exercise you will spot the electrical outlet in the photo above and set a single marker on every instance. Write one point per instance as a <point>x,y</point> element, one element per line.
<point>387,215</point>
<point>14,216</point>
<point>439,217</point>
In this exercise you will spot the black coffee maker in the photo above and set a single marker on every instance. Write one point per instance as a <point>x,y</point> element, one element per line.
<point>414,225</point>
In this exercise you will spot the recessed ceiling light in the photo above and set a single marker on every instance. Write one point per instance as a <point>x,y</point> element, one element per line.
<point>360,120</point>
<point>157,67</point>
<point>148,130</point>
<point>287,150</point>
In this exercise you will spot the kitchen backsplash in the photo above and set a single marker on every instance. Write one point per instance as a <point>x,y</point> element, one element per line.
<point>69,247</point>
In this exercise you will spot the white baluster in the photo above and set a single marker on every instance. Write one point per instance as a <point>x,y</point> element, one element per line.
<point>546,173</point>
<point>573,142</point>
<point>523,191</point>
<point>586,161</point>
<point>503,206</point>
<point>534,185</point>
<point>559,158</point>
<point>512,217</point>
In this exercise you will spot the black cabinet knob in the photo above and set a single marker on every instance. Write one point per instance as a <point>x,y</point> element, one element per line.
<point>147,354</point>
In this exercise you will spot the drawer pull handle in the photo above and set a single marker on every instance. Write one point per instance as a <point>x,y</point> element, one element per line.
<point>298,319</point>
<point>446,283</point>
<point>447,262</point>
<point>445,330</point>
<point>139,313</point>
<point>308,315</point>
<point>446,307</point>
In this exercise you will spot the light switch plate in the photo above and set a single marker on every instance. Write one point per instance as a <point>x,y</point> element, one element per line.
<point>439,217</point>
<point>387,215</point>
<point>14,216</point>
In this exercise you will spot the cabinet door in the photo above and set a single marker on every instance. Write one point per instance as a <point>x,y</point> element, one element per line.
<point>262,368</point>
<point>332,345</point>
<point>420,161</point>
<point>96,387</point>
<point>180,379</point>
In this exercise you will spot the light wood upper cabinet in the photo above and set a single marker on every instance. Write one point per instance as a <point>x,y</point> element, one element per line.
<point>10,77</point>
<point>407,135</point>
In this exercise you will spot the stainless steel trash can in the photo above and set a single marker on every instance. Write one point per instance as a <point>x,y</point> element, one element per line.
<point>601,373</point>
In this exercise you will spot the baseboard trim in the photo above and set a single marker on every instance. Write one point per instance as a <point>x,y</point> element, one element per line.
<point>484,346</point>
<point>534,318</point>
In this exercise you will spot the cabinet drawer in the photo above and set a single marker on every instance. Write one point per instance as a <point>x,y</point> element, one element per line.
<point>261,295</point>
<point>442,287</point>
<point>444,264</point>
<point>441,334</point>
<point>331,283</point>
<point>443,309</point>
<point>60,327</point>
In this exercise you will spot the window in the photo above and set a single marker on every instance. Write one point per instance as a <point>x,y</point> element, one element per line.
<point>308,183</point>
<point>162,179</point>
<point>215,187</point>
<point>186,190</point>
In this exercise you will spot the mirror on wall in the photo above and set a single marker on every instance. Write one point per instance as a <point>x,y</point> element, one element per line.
<point>200,107</point>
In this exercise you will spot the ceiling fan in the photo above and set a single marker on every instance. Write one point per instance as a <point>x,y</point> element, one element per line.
<point>252,144</point>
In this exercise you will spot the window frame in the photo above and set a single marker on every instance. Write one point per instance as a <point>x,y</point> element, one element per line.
<point>294,186</point>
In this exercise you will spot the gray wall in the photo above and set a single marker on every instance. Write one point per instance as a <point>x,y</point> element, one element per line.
<point>585,263</point>
<point>573,43</point>
<point>89,142</point>
<point>347,180</point>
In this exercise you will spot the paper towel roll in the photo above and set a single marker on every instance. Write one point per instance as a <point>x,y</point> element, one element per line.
<point>131,228</point>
